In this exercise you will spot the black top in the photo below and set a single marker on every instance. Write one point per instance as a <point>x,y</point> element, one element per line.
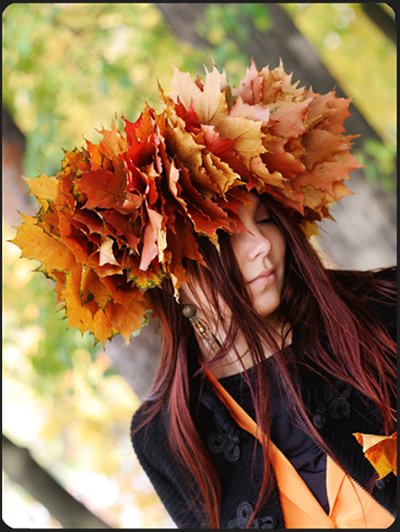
<point>287,434</point>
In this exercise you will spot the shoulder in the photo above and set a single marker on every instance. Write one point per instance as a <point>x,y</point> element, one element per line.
<point>368,282</point>
<point>379,285</point>
<point>148,432</point>
<point>371,293</point>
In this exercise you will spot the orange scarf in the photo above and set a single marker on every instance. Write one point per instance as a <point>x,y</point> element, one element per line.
<point>351,506</point>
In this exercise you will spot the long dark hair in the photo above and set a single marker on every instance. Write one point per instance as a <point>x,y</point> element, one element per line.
<point>361,351</point>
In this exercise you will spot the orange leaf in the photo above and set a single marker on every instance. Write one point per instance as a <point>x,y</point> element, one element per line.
<point>43,187</point>
<point>36,244</point>
<point>127,320</point>
<point>102,328</point>
<point>246,134</point>
<point>103,189</point>
<point>381,451</point>
<point>91,285</point>
<point>287,118</point>
<point>79,315</point>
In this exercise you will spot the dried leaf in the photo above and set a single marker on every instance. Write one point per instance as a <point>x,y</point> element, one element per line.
<point>43,187</point>
<point>381,451</point>
<point>36,244</point>
<point>154,240</point>
<point>103,189</point>
<point>106,253</point>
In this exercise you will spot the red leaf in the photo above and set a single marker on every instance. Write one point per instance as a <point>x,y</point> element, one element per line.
<point>103,189</point>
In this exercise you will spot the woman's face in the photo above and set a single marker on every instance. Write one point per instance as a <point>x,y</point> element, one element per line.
<point>260,253</point>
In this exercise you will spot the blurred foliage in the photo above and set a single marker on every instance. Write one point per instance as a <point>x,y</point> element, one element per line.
<point>363,60</point>
<point>74,65</point>
<point>227,27</point>
<point>379,162</point>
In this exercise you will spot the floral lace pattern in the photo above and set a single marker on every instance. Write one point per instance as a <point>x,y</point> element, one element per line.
<point>243,515</point>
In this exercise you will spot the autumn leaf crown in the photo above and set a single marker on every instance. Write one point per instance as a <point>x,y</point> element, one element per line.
<point>121,215</point>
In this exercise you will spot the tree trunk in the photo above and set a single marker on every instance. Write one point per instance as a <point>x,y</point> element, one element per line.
<point>138,360</point>
<point>378,15</point>
<point>15,191</point>
<point>25,471</point>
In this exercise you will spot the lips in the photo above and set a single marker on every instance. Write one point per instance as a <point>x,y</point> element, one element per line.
<point>267,276</point>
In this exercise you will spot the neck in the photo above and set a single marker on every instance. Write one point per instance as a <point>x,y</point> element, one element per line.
<point>240,359</point>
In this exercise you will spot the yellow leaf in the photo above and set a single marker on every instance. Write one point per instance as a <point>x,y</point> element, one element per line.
<point>43,187</point>
<point>101,326</point>
<point>78,314</point>
<point>247,135</point>
<point>38,245</point>
<point>220,173</point>
<point>91,284</point>
<point>380,451</point>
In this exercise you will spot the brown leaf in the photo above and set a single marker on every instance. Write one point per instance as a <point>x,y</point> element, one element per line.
<point>103,189</point>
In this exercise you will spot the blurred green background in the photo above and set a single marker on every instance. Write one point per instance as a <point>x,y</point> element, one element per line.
<point>67,69</point>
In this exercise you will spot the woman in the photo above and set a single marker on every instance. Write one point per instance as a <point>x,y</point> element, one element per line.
<point>286,338</point>
<point>276,373</point>
<point>307,352</point>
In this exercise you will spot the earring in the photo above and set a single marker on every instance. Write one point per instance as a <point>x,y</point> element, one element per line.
<point>189,311</point>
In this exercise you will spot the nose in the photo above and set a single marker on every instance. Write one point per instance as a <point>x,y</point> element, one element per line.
<point>258,244</point>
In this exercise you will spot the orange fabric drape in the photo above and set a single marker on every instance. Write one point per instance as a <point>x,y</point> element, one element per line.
<point>350,505</point>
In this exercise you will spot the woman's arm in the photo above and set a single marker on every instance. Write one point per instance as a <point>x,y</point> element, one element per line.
<point>151,448</point>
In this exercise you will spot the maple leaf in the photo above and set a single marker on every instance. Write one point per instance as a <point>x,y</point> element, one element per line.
<point>281,159</point>
<point>154,239</point>
<point>79,314</point>
<point>106,252</point>
<point>123,227</point>
<point>127,319</point>
<point>327,111</point>
<point>251,86</point>
<point>102,188</point>
<point>93,287</point>
<point>287,118</point>
<point>50,250</point>
<point>246,134</point>
<point>44,188</point>
<point>380,451</point>
<point>258,113</point>
<point>208,101</point>
<point>102,326</point>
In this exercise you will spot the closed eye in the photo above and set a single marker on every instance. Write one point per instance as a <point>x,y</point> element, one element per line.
<point>264,221</point>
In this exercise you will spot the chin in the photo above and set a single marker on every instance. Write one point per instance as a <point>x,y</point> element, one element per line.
<point>266,306</point>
